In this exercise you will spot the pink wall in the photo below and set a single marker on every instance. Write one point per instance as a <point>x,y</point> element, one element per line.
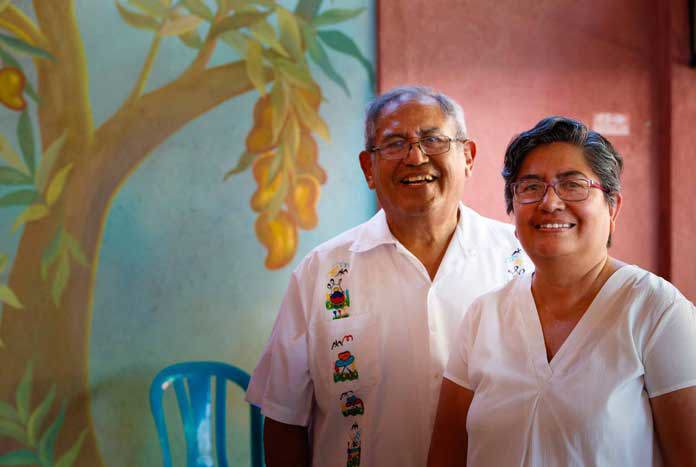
<point>510,63</point>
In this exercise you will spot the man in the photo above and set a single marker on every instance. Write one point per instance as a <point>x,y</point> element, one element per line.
<point>352,372</point>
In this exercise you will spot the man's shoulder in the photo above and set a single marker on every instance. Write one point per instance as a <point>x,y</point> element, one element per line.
<point>487,231</point>
<point>335,249</point>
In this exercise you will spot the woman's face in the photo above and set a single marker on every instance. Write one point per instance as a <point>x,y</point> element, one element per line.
<point>557,229</point>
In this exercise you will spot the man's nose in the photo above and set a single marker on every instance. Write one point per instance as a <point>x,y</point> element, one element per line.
<point>415,155</point>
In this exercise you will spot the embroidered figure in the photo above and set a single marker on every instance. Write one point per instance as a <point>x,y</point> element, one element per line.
<point>338,299</point>
<point>515,263</point>
<point>344,368</point>
<point>354,447</point>
<point>352,404</point>
<point>340,342</point>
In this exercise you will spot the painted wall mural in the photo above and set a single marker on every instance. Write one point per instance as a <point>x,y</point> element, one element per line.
<point>159,159</point>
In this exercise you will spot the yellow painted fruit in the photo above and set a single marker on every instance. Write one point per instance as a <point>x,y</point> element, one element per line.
<point>311,95</point>
<point>12,83</point>
<point>307,154</point>
<point>260,138</point>
<point>279,236</point>
<point>267,189</point>
<point>302,201</point>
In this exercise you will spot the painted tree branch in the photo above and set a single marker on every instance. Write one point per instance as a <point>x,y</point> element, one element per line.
<point>63,83</point>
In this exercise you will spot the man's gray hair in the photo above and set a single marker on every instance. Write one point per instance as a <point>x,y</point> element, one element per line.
<point>449,108</point>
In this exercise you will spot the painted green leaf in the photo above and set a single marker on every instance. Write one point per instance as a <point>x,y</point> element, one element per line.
<point>18,198</point>
<point>279,104</point>
<point>241,4</point>
<point>344,44</point>
<point>309,117</point>
<point>47,442</point>
<point>76,250</point>
<point>7,412</point>
<point>180,25</point>
<point>10,156</point>
<point>192,39</point>
<point>20,46</point>
<point>32,213</point>
<point>291,135</point>
<point>48,161</point>
<point>151,7</point>
<point>57,185</point>
<point>3,263</point>
<point>336,15</point>
<point>19,457</point>
<point>265,33</point>
<point>254,66</point>
<point>236,40</point>
<point>276,163</point>
<point>51,253</point>
<point>12,429</point>
<point>290,36</point>
<point>296,74</point>
<point>8,296</point>
<point>137,20</point>
<point>245,160</point>
<point>10,176</point>
<point>25,135</point>
<point>279,196</point>
<point>23,393</point>
<point>60,279</point>
<point>238,21</point>
<point>319,56</point>
<point>68,459</point>
<point>307,9</point>
<point>10,61</point>
<point>37,417</point>
<point>199,8</point>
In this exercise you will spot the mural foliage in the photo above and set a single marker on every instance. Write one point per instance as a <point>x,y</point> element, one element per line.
<point>64,173</point>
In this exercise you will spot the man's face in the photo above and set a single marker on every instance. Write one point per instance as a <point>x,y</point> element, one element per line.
<point>418,184</point>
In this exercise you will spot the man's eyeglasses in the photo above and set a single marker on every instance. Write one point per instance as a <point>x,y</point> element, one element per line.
<point>432,145</point>
<point>570,189</point>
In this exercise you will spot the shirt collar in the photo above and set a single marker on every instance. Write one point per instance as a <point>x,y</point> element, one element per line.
<point>375,232</point>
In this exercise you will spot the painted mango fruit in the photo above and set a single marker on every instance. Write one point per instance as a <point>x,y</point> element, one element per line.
<point>302,201</point>
<point>12,82</point>
<point>267,188</point>
<point>279,236</point>
<point>307,155</point>
<point>260,138</point>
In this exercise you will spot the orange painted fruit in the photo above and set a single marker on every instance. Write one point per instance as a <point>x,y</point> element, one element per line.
<point>302,201</point>
<point>279,236</point>
<point>12,82</point>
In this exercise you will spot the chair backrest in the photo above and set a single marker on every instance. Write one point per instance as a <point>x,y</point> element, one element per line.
<point>195,407</point>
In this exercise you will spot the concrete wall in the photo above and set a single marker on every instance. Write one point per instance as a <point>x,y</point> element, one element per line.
<point>511,63</point>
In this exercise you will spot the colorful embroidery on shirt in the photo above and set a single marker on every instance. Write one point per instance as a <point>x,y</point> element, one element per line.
<point>344,368</point>
<point>354,447</point>
<point>515,263</point>
<point>351,404</point>
<point>343,340</point>
<point>338,299</point>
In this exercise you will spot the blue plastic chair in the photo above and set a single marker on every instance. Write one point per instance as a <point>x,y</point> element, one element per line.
<point>195,410</point>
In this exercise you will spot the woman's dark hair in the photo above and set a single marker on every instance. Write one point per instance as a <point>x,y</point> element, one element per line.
<point>598,151</point>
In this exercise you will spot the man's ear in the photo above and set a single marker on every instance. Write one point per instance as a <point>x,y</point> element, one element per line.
<point>470,155</point>
<point>366,166</point>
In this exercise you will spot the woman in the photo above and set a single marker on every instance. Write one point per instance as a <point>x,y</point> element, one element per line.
<point>589,361</point>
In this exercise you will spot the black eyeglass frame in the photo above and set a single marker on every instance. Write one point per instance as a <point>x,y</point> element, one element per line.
<point>418,142</point>
<point>590,184</point>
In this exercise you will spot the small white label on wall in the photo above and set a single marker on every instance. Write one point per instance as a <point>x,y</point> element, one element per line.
<point>609,124</point>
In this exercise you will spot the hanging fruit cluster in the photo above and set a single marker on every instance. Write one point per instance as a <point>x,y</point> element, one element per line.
<point>287,173</point>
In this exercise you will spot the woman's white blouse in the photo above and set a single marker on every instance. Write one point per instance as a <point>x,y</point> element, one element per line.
<point>590,405</point>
